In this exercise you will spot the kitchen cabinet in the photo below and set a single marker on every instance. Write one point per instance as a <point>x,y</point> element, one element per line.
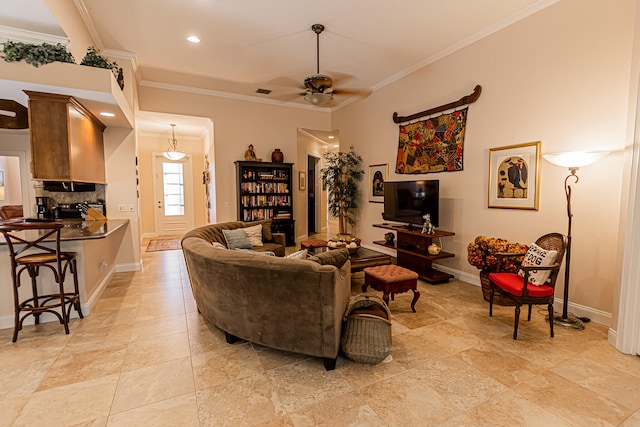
<point>66,140</point>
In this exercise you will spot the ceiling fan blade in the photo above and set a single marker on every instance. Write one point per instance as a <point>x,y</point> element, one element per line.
<point>356,92</point>
<point>340,78</point>
<point>285,82</point>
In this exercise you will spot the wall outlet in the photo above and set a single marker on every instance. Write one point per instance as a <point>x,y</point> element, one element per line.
<point>102,265</point>
<point>131,209</point>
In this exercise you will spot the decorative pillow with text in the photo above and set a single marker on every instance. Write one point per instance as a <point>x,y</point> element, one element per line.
<point>538,257</point>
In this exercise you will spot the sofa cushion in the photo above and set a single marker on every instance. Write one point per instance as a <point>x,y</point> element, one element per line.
<point>237,239</point>
<point>301,254</point>
<point>249,251</point>
<point>254,234</point>
<point>266,228</point>
<point>335,257</point>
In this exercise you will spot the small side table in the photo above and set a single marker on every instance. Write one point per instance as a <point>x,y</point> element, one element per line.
<point>392,279</point>
<point>311,245</point>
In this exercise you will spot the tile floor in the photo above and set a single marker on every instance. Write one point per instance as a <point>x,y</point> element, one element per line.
<point>145,357</point>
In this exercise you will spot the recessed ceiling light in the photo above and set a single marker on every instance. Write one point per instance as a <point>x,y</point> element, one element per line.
<point>331,137</point>
<point>107,114</point>
<point>194,39</point>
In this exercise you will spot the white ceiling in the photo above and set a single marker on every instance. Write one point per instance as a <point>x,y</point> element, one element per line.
<point>251,44</point>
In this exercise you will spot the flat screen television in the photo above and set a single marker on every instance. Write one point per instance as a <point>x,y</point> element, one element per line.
<point>408,201</point>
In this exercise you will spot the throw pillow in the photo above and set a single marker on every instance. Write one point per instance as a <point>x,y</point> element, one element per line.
<point>254,234</point>
<point>236,239</point>
<point>335,257</point>
<point>249,251</point>
<point>301,254</point>
<point>538,257</point>
<point>218,245</point>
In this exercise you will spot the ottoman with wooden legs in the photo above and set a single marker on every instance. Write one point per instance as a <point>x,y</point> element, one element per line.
<point>392,279</point>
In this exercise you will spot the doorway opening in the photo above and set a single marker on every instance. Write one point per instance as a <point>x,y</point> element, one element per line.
<point>314,205</point>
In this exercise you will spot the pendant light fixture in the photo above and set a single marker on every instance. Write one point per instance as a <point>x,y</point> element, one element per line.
<point>173,153</point>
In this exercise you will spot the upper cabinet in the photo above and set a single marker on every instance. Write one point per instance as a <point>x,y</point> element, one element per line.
<point>66,140</point>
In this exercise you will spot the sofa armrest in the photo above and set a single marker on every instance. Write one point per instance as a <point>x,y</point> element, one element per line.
<point>279,238</point>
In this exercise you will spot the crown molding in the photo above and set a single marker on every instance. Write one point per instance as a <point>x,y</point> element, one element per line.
<point>312,136</point>
<point>229,95</point>
<point>25,36</point>
<point>88,22</point>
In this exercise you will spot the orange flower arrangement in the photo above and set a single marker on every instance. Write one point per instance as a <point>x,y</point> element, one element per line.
<point>481,254</point>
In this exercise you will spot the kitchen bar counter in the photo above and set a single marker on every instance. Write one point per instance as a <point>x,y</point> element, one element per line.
<point>78,229</point>
<point>96,244</point>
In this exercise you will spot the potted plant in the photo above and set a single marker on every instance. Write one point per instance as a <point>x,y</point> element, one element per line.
<point>340,178</point>
<point>94,58</point>
<point>35,54</point>
<point>481,253</point>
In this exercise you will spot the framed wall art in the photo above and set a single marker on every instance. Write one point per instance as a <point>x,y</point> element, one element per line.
<point>514,176</point>
<point>302,181</point>
<point>378,175</point>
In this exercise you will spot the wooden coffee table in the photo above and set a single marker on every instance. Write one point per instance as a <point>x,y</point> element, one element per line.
<point>364,258</point>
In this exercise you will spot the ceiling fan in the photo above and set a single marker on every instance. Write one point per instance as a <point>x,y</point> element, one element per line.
<point>318,87</point>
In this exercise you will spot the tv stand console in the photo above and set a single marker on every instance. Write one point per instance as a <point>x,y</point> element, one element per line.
<point>412,251</point>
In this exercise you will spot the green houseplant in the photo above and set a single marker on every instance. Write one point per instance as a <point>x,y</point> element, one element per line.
<point>94,58</point>
<point>35,54</point>
<point>340,178</point>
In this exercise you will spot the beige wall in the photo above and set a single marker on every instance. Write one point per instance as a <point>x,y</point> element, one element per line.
<point>237,124</point>
<point>147,146</point>
<point>10,166</point>
<point>561,77</point>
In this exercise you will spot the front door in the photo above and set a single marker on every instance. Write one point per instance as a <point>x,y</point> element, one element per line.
<point>173,188</point>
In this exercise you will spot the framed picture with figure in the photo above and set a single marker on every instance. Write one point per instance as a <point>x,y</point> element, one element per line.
<point>378,175</point>
<point>514,176</point>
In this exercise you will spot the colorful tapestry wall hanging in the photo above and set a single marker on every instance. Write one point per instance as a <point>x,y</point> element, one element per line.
<point>432,145</point>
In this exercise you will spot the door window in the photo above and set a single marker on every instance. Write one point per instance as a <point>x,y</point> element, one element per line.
<point>173,178</point>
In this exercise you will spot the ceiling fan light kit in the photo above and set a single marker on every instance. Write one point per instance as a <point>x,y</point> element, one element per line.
<point>318,99</point>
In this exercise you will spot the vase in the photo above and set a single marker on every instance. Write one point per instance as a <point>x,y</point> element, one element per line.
<point>277,156</point>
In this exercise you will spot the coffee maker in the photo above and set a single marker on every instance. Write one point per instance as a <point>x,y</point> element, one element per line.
<point>42,208</point>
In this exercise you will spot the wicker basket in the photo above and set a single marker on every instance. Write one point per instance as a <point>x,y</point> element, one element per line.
<point>366,334</point>
<point>498,299</point>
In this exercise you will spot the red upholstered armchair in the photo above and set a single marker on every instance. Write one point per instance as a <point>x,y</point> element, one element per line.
<point>539,271</point>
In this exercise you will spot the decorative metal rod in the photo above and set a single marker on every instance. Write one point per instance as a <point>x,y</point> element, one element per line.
<point>469,99</point>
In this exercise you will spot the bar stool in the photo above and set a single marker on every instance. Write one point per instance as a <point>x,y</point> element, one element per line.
<point>22,236</point>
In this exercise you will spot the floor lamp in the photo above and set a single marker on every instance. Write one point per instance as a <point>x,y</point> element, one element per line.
<point>574,161</point>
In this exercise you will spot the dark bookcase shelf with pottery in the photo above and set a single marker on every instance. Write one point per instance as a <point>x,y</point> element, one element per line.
<point>265,191</point>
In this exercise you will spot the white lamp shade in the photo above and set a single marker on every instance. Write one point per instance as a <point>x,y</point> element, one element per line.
<point>575,159</point>
<point>174,155</point>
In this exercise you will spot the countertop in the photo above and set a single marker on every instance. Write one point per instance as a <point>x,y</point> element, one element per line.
<point>78,229</point>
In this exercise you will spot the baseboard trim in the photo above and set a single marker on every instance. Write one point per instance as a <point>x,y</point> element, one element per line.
<point>134,266</point>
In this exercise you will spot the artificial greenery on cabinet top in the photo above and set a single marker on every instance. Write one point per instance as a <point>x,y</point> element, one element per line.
<point>36,55</point>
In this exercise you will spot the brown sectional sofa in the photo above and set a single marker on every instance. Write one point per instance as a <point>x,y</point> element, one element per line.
<point>283,303</point>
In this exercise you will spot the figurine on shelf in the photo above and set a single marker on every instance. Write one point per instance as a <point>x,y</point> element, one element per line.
<point>427,227</point>
<point>250,154</point>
